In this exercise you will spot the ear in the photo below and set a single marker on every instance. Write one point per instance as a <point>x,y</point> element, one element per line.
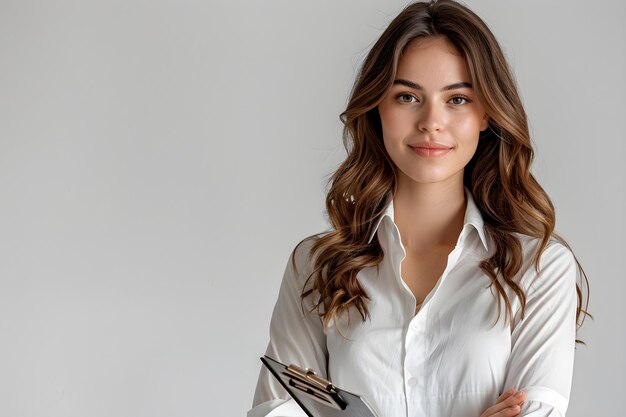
<point>484,123</point>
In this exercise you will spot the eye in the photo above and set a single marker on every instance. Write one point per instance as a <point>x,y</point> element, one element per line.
<point>406,98</point>
<point>460,100</point>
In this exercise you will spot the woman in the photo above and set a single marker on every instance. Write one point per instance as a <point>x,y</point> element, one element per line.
<point>441,289</point>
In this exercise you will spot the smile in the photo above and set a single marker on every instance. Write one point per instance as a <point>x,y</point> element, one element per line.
<point>430,152</point>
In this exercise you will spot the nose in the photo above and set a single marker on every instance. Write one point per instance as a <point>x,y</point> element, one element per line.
<point>430,118</point>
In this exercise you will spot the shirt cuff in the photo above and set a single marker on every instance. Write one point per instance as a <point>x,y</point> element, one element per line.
<point>277,408</point>
<point>549,398</point>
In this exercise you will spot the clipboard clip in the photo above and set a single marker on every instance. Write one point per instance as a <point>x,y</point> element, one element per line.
<point>314,386</point>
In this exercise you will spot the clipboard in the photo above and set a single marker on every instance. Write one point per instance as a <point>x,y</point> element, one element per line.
<point>315,395</point>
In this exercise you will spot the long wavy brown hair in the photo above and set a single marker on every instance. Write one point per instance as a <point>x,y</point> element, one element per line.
<point>507,194</point>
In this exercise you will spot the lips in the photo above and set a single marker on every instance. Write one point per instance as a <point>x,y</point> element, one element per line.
<point>430,149</point>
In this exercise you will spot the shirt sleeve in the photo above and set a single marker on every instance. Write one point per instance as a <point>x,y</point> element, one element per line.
<point>296,337</point>
<point>542,344</point>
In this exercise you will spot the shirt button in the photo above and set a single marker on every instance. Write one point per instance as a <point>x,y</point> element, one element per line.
<point>412,382</point>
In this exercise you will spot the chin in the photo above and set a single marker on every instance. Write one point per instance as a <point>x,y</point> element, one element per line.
<point>433,176</point>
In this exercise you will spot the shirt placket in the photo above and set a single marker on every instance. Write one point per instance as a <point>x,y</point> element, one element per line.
<point>415,366</point>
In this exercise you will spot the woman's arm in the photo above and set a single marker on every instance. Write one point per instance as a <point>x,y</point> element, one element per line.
<point>295,338</point>
<point>542,352</point>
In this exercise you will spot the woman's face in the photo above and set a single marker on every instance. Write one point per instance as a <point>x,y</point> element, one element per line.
<point>431,118</point>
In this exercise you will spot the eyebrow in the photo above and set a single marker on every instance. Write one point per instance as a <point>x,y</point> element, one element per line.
<point>416,86</point>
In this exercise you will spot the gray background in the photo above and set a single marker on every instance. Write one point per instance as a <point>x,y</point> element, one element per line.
<point>160,159</point>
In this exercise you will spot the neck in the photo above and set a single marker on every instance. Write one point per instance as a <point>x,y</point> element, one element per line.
<point>429,215</point>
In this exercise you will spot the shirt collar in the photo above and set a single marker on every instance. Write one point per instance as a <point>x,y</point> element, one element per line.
<point>473,217</point>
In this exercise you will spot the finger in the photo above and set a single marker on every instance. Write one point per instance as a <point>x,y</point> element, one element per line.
<point>512,401</point>
<point>517,399</point>
<point>505,395</point>
<point>505,412</point>
<point>508,412</point>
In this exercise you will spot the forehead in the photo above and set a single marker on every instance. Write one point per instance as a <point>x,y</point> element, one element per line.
<point>433,59</point>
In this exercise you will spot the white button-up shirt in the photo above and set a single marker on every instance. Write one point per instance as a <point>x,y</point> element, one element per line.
<point>449,359</point>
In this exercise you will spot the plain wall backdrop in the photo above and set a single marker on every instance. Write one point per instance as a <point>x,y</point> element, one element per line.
<point>159,160</point>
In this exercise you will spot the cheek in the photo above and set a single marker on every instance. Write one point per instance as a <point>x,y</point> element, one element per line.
<point>394,125</point>
<point>469,125</point>
<point>388,143</point>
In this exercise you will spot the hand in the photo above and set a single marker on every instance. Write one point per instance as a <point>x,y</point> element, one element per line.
<point>507,405</point>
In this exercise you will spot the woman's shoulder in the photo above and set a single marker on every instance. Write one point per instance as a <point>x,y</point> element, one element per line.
<point>301,259</point>
<point>554,247</point>
<point>556,260</point>
<point>303,250</point>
